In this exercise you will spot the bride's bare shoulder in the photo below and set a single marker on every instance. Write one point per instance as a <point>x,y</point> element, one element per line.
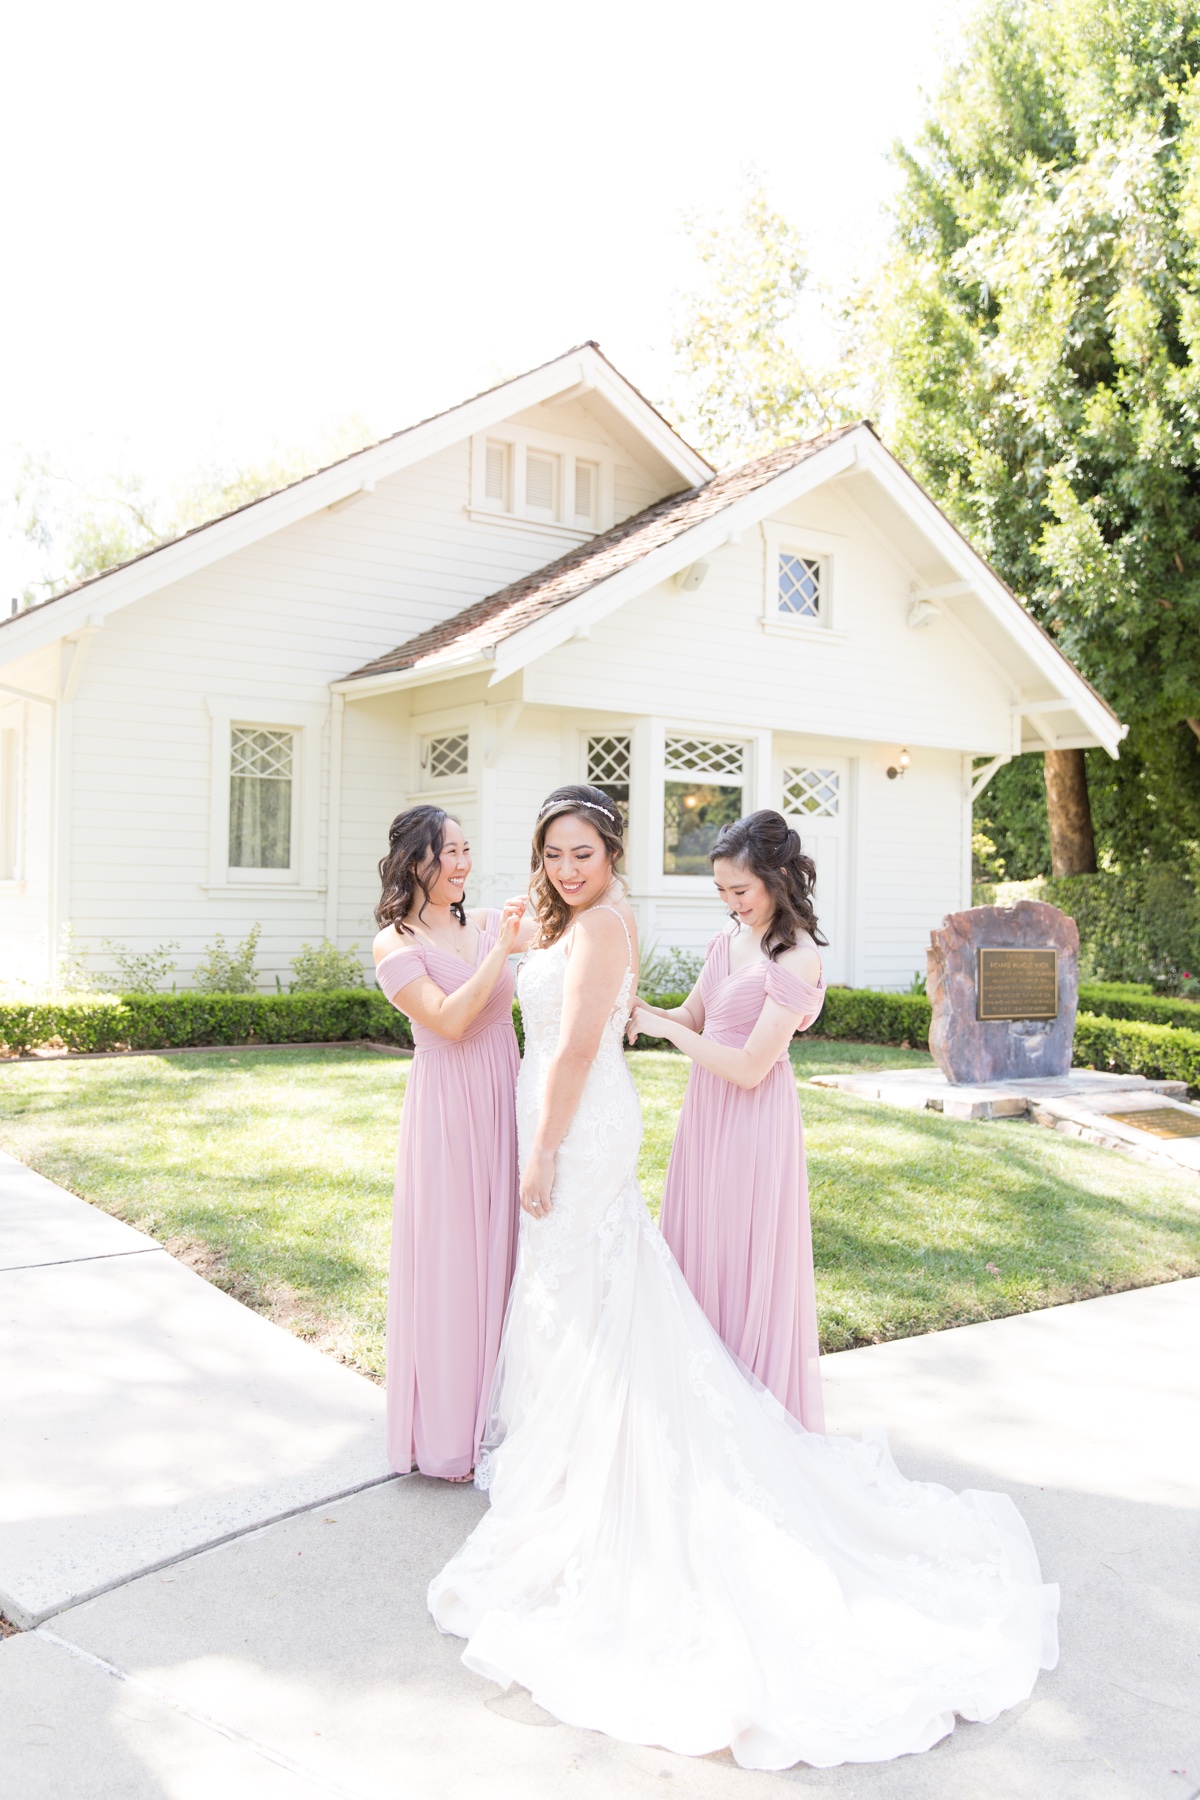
<point>608,928</point>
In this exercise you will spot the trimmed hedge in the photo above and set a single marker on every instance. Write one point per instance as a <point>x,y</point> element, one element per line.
<point>863,1015</point>
<point>1129,1047</point>
<point>177,1021</point>
<point>1122,1000</point>
<point>868,1016</point>
<point>1151,1037</point>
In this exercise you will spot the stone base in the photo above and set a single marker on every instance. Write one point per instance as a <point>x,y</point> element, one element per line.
<point>1079,1103</point>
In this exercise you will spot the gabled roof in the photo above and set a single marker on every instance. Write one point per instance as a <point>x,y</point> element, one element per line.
<point>486,623</point>
<point>584,368</point>
<point>530,617</point>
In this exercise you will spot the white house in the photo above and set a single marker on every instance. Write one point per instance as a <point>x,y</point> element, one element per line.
<point>544,584</point>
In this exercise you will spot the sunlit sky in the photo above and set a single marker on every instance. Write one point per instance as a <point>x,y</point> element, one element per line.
<point>228,225</point>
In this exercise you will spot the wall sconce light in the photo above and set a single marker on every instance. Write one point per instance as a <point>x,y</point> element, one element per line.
<point>899,768</point>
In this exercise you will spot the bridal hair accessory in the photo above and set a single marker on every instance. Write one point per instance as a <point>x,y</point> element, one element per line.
<point>574,806</point>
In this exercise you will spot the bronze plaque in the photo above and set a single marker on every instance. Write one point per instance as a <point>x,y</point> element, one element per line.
<point>1160,1121</point>
<point>1016,984</point>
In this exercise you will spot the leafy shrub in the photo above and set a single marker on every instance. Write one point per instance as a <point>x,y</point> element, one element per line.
<point>229,971</point>
<point>325,968</point>
<point>668,971</point>
<point>1129,1047</point>
<point>175,1021</point>
<point>141,971</point>
<point>1139,925</point>
<point>71,974</point>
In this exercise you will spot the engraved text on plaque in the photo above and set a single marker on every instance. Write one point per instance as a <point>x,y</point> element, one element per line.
<point>1016,984</point>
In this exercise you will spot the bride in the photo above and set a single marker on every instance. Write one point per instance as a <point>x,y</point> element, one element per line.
<point>669,1557</point>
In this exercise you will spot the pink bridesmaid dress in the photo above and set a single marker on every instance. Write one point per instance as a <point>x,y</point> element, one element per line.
<point>735,1203</point>
<point>454,1221</point>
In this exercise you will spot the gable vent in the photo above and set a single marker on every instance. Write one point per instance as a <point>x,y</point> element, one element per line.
<point>495,484</point>
<point>540,483</point>
<point>585,491</point>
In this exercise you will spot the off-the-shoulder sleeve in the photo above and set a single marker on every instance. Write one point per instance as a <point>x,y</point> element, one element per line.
<point>399,968</point>
<point>797,996</point>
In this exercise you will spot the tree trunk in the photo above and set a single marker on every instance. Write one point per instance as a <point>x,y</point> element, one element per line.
<point>1072,844</point>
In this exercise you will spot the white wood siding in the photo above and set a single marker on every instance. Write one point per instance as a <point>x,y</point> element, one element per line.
<point>274,623</point>
<point>705,654</point>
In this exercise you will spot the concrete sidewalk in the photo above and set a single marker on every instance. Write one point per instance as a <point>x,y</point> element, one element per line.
<point>296,1657</point>
<point>145,1415</point>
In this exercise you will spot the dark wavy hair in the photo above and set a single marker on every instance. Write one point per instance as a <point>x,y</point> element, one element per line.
<point>590,803</point>
<point>765,843</point>
<point>415,839</point>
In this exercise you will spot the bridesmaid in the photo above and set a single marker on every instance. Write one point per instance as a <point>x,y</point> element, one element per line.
<point>454,1220</point>
<point>735,1204</point>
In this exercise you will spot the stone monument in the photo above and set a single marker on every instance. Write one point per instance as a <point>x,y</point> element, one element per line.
<point>1003,983</point>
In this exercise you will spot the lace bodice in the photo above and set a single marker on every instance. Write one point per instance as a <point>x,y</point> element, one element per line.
<point>596,1208</point>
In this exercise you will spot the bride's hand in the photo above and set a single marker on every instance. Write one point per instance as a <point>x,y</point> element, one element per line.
<point>510,924</point>
<point>537,1178</point>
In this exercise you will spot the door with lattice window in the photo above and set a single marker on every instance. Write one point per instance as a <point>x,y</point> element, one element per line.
<point>815,802</point>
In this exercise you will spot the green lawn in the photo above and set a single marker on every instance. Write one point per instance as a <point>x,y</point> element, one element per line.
<point>270,1171</point>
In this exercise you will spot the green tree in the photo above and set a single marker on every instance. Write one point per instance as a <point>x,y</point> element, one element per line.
<point>1040,317</point>
<point>744,381</point>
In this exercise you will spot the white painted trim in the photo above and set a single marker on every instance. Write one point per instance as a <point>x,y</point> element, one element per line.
<point>17,693</point>
<point>58,905</point>
<point>333,819</point>
<point>120,587</point>
<point>521,439</point>
<point>808,630</point>
<point>815,546</point>
<point>307,721</point>
<point>968,831</point>
<point>482,515</point>
<point>981,777</point>
<point>1049,660</point>
<point>424,675</point>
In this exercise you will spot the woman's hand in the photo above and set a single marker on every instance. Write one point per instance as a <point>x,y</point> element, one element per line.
<point>511,915</point>
<point>537,1178</point>
<point>650,1020</point>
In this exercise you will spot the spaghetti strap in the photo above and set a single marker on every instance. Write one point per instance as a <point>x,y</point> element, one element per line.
<point>602,906</point>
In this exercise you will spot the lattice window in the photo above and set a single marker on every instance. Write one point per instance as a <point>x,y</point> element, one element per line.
<point>799,585</point>
<point>260,797</point>
<point>609,761</point>
<point>816,792</point>
<point>444,757</point>
<point>705,756</point>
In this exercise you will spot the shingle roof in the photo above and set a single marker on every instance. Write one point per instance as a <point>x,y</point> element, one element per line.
<point>480,627</point>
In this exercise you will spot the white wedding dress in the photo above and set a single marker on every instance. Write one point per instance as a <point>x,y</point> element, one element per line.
<point>668,1557</point>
